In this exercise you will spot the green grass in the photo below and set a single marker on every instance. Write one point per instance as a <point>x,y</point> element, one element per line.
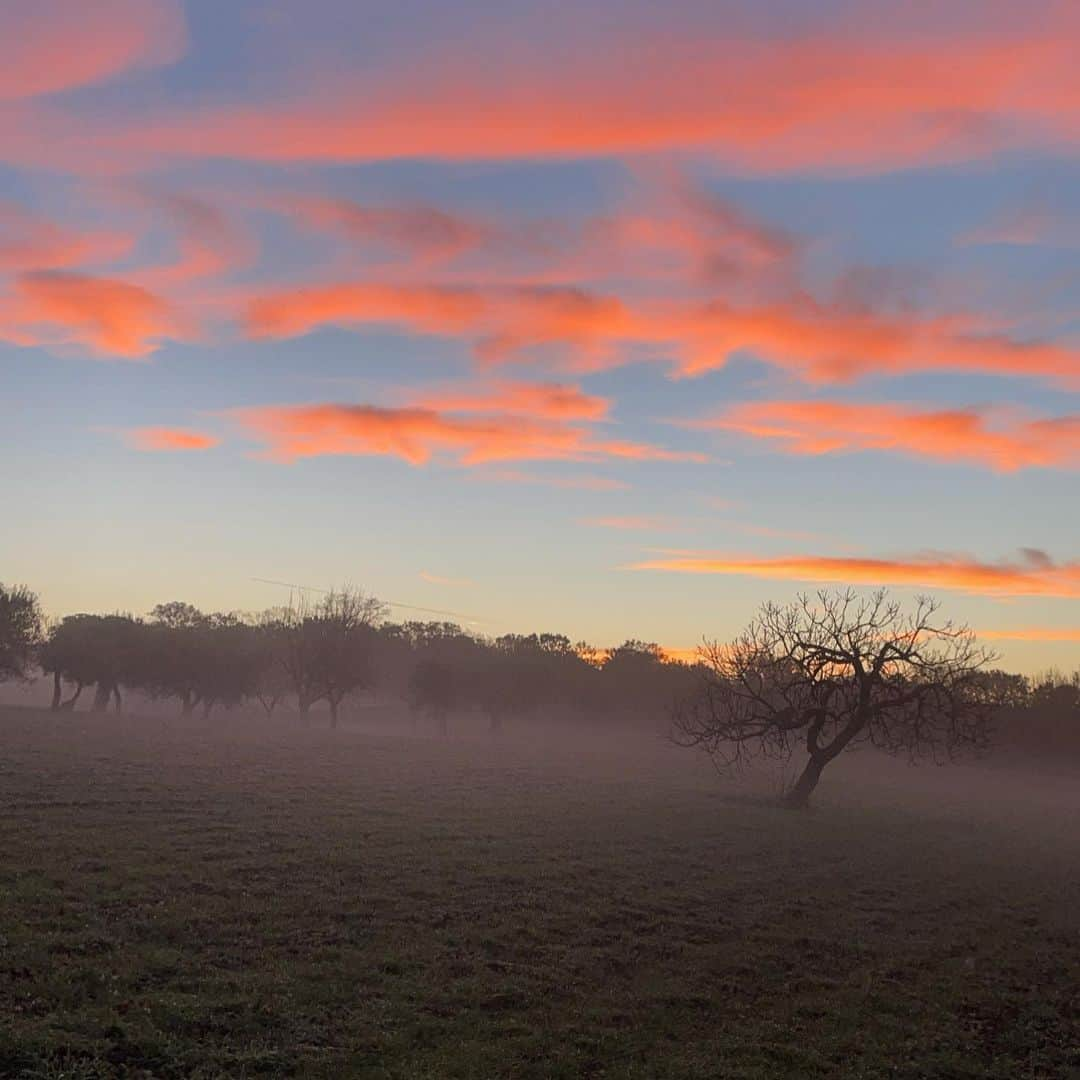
<point>309,903</point>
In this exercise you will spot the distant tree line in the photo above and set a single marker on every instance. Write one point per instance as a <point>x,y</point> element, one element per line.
<point>812,679</point>
<point>325,652</point>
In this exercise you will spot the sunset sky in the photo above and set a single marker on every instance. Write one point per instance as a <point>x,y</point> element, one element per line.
<point>612,318</point>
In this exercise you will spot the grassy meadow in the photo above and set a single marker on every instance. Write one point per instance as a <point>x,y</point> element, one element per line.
<point>265,900</point>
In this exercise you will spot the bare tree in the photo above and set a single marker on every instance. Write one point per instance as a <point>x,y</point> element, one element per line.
<point>345,645</point>
<point>830,672</point>
<point>326,648</point>
<point>271,684</point>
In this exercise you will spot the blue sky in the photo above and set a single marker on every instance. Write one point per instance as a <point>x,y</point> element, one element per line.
<point>484,307</point>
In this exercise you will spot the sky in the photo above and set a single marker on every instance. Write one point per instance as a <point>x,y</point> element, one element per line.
<point>615,319</point>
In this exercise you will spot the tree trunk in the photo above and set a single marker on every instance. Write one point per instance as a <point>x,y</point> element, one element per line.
<point>799,796</point>
<point>333,702</point>
<point>208,706</point>
<point>57,691</point>
<point>118,703</point>
<point>69,705</point>
<point>102,694</point>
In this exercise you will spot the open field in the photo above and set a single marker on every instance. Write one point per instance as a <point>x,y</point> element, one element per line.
<point>290,902</point>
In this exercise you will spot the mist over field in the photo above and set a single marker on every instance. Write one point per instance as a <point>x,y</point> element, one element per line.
<point>261,899</point>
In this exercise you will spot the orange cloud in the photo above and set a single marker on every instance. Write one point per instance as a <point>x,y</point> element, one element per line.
<point>818,342</point>
<point>169,439</point>
<point>1033,633</point>
<point>850,97</point>
<point>557,401</point>
<point>209,243</point>
<point>109,317</point>
<point>433,310</point>
<point>426,232</point>
<point>722,235</point>
<point>417,434</point>
<point>60,44</point>
<point>823,427</point>
<point>29,242</point>
<point>680,231</point>
<point>1034,574</point>
<point>837,343</point>
<point>500,321</point>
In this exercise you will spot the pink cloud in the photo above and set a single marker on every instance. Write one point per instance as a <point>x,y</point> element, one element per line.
<point>818,342</point>
<point>55,45</point>
<point>31,242</point>
<point>1005,444</point>
<point>1033,633</point>
<point>417,434</point>
<point>414,230</point>
<point>861,96</point>
<point>106,316</point>
<point>166,439</point>
<point>559,401</point>
<point>209,243</point>
<point>1034,574</point>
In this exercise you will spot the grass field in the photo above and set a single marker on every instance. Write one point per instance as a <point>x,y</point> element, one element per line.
<point>346,904</point>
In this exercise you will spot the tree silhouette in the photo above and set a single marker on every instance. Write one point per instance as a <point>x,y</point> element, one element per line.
<point>828,673</point>
<point>326,648</point>
<point>200,659</point>
<point>103,651</point>
<point>22,626</point>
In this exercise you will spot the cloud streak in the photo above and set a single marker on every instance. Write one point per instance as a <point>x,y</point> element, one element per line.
<point>1033,574</point>
<point>453,583</point>
<point>555,401</point>
<point>168,440</point>
<point>971,436</point>
<point>1033,633</point>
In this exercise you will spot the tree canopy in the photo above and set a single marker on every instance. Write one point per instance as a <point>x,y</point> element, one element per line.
<point>22,626</point>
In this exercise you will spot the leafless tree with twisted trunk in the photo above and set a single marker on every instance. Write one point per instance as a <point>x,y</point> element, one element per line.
<point>835,670</point>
